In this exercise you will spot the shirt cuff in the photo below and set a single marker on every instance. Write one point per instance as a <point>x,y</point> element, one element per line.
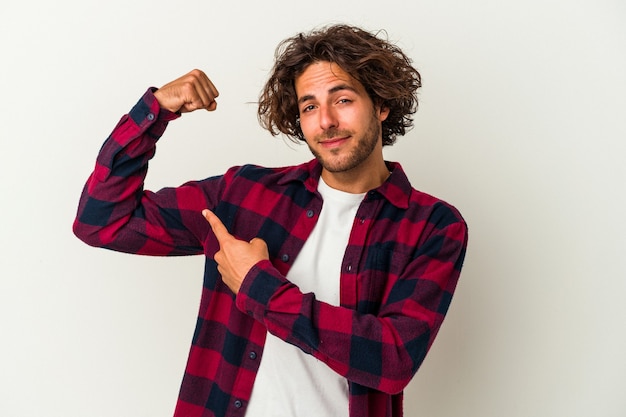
<point>257,289</point>
<point>149,116</point>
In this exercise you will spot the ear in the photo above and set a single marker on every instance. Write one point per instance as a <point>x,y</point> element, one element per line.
<point>382,112</point>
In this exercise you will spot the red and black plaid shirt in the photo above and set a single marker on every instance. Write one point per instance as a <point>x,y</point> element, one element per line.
<point>398,275</point>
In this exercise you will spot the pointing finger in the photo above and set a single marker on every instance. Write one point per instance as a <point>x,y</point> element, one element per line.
<point>217,226</point>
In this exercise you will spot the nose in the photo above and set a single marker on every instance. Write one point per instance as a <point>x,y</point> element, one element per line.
<point>328,118</point>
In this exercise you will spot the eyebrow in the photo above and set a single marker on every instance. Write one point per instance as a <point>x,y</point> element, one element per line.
<point>333,90</point>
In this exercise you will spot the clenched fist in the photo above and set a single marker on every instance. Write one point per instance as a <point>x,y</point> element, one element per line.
<point>190,92</point>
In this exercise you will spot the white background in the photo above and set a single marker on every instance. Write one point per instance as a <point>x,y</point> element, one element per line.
<point>521,126</point>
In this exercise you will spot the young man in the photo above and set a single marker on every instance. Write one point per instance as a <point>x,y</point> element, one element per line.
<point>325,283</point>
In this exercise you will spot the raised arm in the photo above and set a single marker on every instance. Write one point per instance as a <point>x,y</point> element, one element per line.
<point>114,210</point>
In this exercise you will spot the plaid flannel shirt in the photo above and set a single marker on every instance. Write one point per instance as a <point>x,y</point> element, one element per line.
<point>399,270</point>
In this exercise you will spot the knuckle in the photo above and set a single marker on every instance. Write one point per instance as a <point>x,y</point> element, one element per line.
<point>187,87</point>
<point>196,73</point>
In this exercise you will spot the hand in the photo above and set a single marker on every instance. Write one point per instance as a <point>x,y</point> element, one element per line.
<point>236,257</point>
<point>190,92</point>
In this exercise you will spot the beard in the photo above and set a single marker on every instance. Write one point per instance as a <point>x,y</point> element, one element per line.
<point>360,152</point>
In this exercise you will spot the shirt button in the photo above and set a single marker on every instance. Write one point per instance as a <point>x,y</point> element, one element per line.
<point>362,220</point>
<point>238,404</point>
<point>310,213</point>
<point>349,268</point>
<point>252,355</point>
<point>150,116</point>
<point>285,257</point>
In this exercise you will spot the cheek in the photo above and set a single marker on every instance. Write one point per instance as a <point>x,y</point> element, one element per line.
<point>307,129</point>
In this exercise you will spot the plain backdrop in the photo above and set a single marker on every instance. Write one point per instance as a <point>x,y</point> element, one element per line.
<point>521,126</point>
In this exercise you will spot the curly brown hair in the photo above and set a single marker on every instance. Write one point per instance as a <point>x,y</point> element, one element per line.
<point>381,67</point>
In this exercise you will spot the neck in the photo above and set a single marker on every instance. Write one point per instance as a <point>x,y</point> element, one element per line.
<point>359,179</point>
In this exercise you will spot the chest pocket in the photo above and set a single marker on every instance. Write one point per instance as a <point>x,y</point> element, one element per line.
<point>381,271</point>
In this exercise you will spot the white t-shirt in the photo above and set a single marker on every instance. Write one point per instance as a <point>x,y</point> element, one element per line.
<point>291,383</point>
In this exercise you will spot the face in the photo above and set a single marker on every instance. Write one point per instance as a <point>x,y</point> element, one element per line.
<point>341,125</point>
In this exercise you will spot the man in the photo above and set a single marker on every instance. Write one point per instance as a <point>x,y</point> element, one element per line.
<point>325,283</point>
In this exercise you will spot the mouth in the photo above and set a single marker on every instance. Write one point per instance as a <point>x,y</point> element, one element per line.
<point>334,142</point>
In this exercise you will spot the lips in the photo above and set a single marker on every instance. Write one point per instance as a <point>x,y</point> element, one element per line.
<point>333,142</point>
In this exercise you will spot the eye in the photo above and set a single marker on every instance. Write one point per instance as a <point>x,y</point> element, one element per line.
<point>307,108</point>
<point>344,101</point>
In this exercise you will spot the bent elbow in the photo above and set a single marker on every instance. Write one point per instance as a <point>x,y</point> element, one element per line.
<point>87,234</point>
<point>395,386</point>
<point>404,371</point>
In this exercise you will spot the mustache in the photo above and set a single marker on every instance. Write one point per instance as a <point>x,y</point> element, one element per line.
<point>333,133</point>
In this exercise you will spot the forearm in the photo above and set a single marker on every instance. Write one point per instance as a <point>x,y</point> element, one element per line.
<point>381,351</point>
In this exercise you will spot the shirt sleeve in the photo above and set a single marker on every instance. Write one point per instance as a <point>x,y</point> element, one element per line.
<point>381,351</point>
<point>114,210</point>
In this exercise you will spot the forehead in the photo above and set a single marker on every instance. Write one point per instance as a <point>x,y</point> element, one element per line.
<point>321,77</point>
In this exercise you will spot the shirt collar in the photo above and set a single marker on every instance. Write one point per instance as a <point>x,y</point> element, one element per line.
<point>396,189</point>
